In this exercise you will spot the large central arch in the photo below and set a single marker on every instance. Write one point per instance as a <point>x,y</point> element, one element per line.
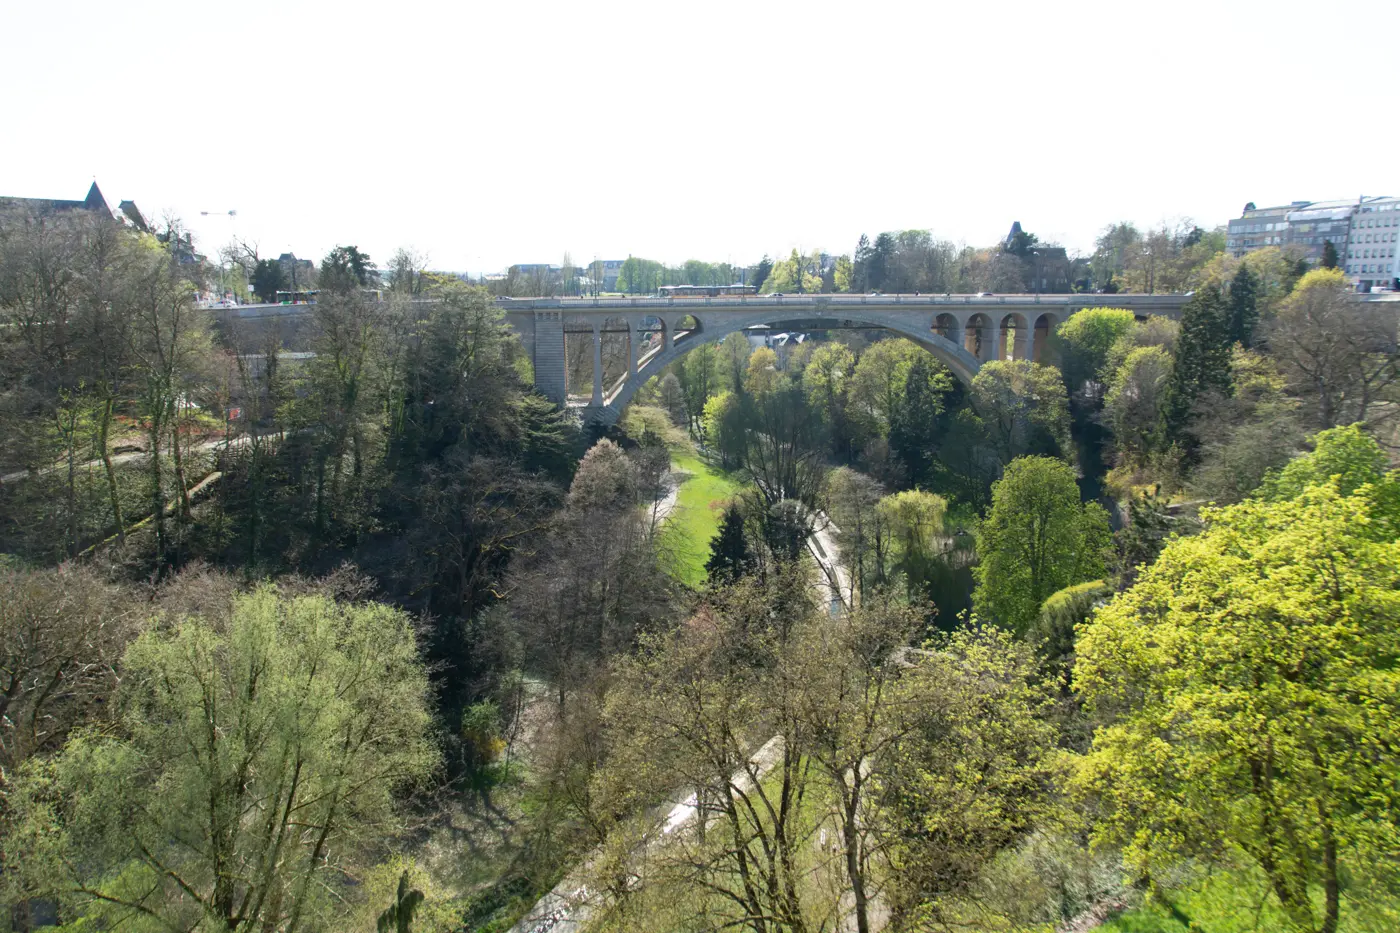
<point>714,328</point>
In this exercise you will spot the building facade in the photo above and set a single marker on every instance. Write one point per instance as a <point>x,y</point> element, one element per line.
<point>1370,260</point>
<point>1362,230</point>
<point>126,213</point>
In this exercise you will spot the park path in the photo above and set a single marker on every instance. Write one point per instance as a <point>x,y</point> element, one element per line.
<point>218,443</point>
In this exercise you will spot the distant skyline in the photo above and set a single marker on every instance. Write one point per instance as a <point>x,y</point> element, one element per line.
<point>482,135</point>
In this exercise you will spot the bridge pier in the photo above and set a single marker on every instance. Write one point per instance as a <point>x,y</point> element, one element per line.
<point>548,343</point>
<point>597,365</point>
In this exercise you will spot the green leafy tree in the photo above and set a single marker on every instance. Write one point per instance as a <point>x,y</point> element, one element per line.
<point>1249,684</point>
<point>1021,408</point>
<point>845,274</point>
<point>701,376</point>
<point>1135,403</point>
<point>826,381</point>
<point>914,522</point>
<point>1084,342</point>
<point>969,772</point>
<point>877,390</point>
<point>252,755</point>
<point>1351,459</point>
<point>724,427</point>
<point>1037,539</point>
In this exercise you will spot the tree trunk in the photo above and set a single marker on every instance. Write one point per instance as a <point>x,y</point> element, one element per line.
<point>854,870</point>
<point>157,494</point>
<point>182,488</point>
<point>71,432</point>
<point>111,471</point>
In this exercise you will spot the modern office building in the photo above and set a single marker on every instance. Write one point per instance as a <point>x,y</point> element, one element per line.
<point>1370,259</point>
<point>1363,231</point>
<point>1303,226</point>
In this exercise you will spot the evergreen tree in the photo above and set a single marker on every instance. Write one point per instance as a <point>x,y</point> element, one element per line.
<point>1329,255</point>
<point>1202,357</point>
<point>398,918</point>
<point>1244,306</point>
<point>761,272</point>
<point>915,426</point>
<point>730,557</point>
<point>861,267</point>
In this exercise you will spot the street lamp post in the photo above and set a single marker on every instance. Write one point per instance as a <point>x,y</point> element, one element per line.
<point>223,292</point>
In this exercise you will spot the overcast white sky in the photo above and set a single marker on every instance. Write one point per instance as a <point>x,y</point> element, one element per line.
<point>484,134</point>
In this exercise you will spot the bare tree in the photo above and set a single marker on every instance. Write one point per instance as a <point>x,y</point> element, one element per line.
<point>1341,357</point>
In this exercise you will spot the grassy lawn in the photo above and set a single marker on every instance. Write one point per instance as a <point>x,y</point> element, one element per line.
<point>699,507</point>
<point>1235,902</point>
<point>700,502</point>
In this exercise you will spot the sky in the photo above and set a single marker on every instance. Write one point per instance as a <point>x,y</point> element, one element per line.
<point>484,134</point>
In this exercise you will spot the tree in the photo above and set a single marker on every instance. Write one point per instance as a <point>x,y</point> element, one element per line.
<point>762,376</point>
<point>251,757</point>
<point>693,708</point>
<point>1135,402</point>
<point>724,427</point>
<point>1244,307</point>
<point>346,268</point>
<point>700,376</point>
<point>918,423</point>
<point>845,274</point>
<point>170,340</point>
<point>1202,360</point>
<point>268,279</point>
<point>1346,457</point>
<point>1246,434</point>
<point>761,272</point>
<point>863,534</point>
<point>398,916</point>
<point>1113,251</point>
<point>878,383</point>
<point>1084,343</point>
<point>852,713</point>
<point>1341,358</point>
<point>1250,691</point>
<point>826,381</point>
<point>914,520</point>
<point>61,635</point>
<point>1329,255</point>
<point>407,273</point>
<point>1038,538</point>
<point>672,398</point>
<point>1022,409</point>
<point>969,773</point>
<point>730,556</point>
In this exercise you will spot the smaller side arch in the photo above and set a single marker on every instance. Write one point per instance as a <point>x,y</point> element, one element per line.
<point>978,337</point>
<point>1045,325</point>
<point>1012,340</point>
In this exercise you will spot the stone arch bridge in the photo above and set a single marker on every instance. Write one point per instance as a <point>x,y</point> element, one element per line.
<point>641,336</point>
